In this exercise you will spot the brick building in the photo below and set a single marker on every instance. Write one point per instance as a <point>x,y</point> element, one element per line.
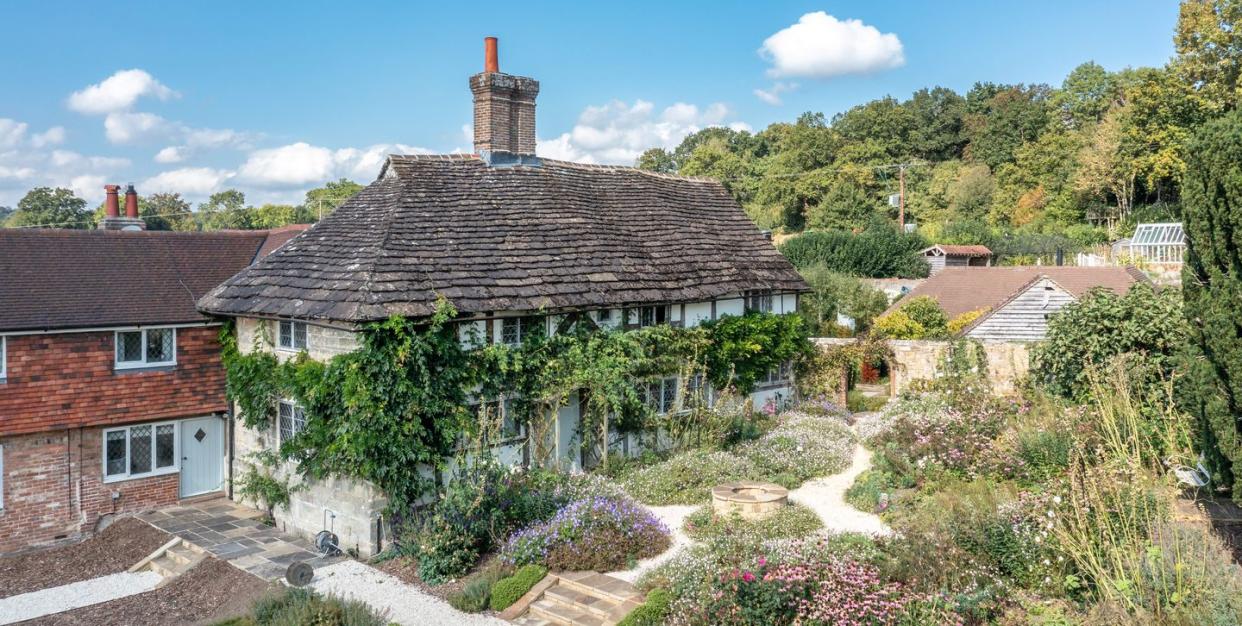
<point>111,389</point>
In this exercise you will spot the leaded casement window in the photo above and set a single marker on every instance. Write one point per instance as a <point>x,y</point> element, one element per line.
<point>290,419</point>
<point>661,394</point>
<point>140,450</point>
<point>498,413</point>
<point>291,335</point>
<point>759,301</point>
<point>779,375</point>
<point>515,330</point>
<point>151,347</point>
<point>696,391</point>
<point>644,316</point>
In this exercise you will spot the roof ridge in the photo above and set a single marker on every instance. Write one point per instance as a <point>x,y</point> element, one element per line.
<point>462,156</point>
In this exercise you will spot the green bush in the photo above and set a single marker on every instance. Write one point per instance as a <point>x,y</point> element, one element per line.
<point>444,551</point>
<point>476,594</point>
<point>509,590</point>
<point>686,478</point>
<point>833,293</point>
<point>298,607</point>
<point>653,612</point>
<point>788,522</point>
<point>858,402</point>
<point>880,251</point>
<point>864,494</point>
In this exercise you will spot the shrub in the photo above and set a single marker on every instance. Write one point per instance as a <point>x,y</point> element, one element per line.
<point>880,251</point>
<point>687,478</point>
<point>801,446</point>
<point>788,522</point>
<point>476,594</point>
<point>898,325</point>
<point>509,590</point>
<point>598,533</point>
<point>263,487</point>
<point>864,494</point>
<point>444,551</point>
<point>959,323</point>
<point>652,612</point>
<point>833,293</point>
<point>931,434</point>
<point>858,402</point>
<point>296,607</point>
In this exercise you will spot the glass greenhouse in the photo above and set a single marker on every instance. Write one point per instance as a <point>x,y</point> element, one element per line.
<point>1158,243</point>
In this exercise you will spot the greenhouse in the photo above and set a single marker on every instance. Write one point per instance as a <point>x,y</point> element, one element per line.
<point>1158,243</point>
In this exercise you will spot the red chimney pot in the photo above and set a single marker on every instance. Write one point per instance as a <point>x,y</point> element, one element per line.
<point>112,207</point>
<point>491,57</point>
<point>131,202</point>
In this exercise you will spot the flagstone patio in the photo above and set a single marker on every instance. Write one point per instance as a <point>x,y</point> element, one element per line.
<point>238,535</point>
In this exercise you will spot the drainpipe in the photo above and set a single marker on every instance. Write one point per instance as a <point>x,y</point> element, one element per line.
<point>232,439</point>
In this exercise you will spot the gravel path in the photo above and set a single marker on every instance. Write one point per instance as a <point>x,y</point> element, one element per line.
<point>826,496</point>
<point>75,595</point>
<point>405,604</point>
<point>673,516</point>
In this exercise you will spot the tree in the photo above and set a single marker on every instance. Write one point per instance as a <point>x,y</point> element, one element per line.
<point>845,206</point>
<point>1104,170</point>
<point>5,212</point>
<point>833,293</point>
<point>1085,96</point>
<point>53,208</point>
<point>224,210</point>
<point>274,216</point>
<point>321,201</point>
<point>657,160</point>
<point>939,122</point>
<point>1209,50</point>
<point>1211,283</point>
<point>1001,118</point>
<point>166,211</point>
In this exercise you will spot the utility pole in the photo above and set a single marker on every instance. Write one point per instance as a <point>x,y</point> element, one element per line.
<point>901,198</point>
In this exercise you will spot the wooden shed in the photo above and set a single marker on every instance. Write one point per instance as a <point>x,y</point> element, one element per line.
<point>943,255</point>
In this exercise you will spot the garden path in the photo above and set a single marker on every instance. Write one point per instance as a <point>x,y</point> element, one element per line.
<point>402,603</point>
<point>826,496</point>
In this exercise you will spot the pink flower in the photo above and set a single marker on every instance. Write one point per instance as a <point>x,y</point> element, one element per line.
<point>762,561</point>
<point>748,577</point>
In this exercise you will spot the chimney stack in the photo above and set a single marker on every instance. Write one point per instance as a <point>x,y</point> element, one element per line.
<point>112,210</point>
<point>131,202</point>
<point>504,112</point>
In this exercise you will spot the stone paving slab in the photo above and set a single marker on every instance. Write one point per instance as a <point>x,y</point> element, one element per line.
<point>236,534</point>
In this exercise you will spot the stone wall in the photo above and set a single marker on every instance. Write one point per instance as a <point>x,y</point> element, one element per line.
<point>1008,363</point>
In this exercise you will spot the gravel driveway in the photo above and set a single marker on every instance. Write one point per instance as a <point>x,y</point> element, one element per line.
<point>405,604</point>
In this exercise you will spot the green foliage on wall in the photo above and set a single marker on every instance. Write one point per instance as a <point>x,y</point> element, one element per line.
<point>1212,284</point>
<point>743,349</point>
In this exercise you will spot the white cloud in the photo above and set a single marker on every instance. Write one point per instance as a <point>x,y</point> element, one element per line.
<point>17,173</point>
<point>302,164</point>
<point>129,127</point>
<point>171,154</point>
<point>88,187</point>
<point>70,160</point>
<point>50,137</point>
<point>617,132</point>
<point>118,92</point>
<point>11,132</point>
<point>773,96</point>
<point>821,46</point>
<point>189,181</point>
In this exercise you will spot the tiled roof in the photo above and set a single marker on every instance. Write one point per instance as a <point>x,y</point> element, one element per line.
<point>64,279</point>
<point>491,238</point>
<point>954,250</point>
<point>963,289</point>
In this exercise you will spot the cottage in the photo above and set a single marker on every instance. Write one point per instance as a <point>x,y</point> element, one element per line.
<point>1016,302</point>
<point>941,256</point>
<point>515,242</point>
<point>111,389</point>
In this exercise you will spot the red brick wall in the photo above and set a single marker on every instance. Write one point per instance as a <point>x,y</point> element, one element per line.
<point>54,489</point>
<point>68,380</point>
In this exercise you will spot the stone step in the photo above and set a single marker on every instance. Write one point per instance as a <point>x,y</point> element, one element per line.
<point>183,554</point>
<point>530,620</point>
<point>600,586</point>
<point>600,606</point>
<point>563,615</point>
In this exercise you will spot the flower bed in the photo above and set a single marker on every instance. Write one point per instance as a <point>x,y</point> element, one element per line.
<point>687,478</point>
<point>595,533</point>
<point>790,521</point>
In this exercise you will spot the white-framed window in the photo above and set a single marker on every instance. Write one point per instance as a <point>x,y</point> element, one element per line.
<point>603,315</point>
<point>290,419</point>
<point>510,426</point>
<point>150,347</point>
<point>661,394</point>
<point>291,335</point>
<point>4,358</point>
<point>697,390</point>
<point>644,316</point>
<point>515,330</point>
<point>759,301</point>
<point>140,450</point>
<point>778,375</point>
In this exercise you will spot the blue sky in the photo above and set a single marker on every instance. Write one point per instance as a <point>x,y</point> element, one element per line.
<point>273,98</point>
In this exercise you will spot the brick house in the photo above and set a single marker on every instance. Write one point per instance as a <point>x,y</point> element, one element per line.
<point>111,390</point>
<point>519,245</point>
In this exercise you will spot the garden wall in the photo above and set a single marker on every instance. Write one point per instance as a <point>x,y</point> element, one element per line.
<point>1008,363</point>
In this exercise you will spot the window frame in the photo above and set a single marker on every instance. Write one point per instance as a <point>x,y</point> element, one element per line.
<point>526,325</point>
<point>293,335</point>
<point>144,363</point>
<point>294,409</point>
<point>155,471</point>
<point>662,407</point>
<point>4,374</point>
<point>760,302</point>
<point>504,406</point>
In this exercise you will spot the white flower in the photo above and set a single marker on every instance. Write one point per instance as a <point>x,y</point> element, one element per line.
<point>1056,499</point>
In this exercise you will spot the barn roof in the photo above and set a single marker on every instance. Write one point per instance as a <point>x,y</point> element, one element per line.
<point>549,235</point>
<point>955,250</point>
<point>960,290</point>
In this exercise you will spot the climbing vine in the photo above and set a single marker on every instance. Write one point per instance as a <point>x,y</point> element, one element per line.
<point>398,404</point>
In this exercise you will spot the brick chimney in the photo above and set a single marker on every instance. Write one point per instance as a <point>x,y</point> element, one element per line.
<point>112,210</point>
<point>504,112</point>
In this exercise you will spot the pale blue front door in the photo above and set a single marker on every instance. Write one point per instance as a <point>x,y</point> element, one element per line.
<point>202,455</point>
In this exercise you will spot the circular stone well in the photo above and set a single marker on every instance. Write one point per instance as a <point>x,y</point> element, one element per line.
<point>748,498</point>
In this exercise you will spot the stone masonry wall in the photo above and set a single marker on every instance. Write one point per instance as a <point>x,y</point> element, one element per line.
<point>1008,363</point>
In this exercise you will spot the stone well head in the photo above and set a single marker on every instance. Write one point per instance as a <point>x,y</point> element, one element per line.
<point>749,499</point>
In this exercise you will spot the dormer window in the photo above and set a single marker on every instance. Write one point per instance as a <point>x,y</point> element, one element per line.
<point>152,347</point>
<point>292,335</point>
